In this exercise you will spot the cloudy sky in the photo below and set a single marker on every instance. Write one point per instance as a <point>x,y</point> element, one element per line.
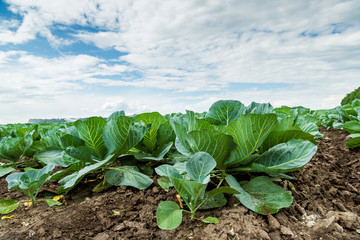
<point>66,58</point>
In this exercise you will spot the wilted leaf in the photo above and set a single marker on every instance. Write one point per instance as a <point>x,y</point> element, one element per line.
<point>7,217</point>
<point>57,198</point>
<point>28,203</point>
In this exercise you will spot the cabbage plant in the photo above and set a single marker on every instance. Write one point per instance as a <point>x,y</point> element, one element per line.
<point>251,139</point>
<point>192,189</point>
<point>30,183</point>
<point>158,140</point>
<point>353,127</point>
<point>12,149</point>
<point>105,142</point>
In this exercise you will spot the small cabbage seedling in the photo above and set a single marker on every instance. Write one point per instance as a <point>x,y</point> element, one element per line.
<point>192,191</point>
<point>30,183</point>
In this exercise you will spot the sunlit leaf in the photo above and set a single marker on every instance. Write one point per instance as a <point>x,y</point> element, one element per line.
<point>168,215</point>
<point>8,205</point>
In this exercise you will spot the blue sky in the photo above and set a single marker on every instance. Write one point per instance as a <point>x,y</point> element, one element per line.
<point>65,58</point>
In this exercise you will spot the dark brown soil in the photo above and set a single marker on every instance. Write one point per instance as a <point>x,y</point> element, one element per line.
<point>326,206</point>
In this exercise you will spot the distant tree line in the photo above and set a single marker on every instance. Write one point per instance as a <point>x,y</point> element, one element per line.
<point>53,120</point>
<point>351,96</point>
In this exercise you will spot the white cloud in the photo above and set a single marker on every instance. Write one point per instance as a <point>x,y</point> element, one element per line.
<point>114,104</point>
<point>28,76</point>
<point>223,43</point>
<point>189,46</point>
<point>102,40</point>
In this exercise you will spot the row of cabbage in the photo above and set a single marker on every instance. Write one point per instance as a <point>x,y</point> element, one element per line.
<point>187,151</point>
<point>346,117</point>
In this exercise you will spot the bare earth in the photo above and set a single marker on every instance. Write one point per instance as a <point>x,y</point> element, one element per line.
<point>326,206</point>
